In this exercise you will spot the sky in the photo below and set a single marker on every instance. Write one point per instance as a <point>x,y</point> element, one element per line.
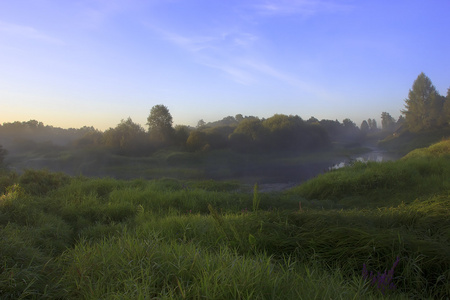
<point>95,62</point>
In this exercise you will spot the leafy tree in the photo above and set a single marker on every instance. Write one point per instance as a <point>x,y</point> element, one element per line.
<point>333,128</point>
<point>160,123</point>
<point>252,128</point>
<point>217,137</point>
<point>181,134</point>
<point>91,137</point>
<point>372,124</point>
<point>348,123</point>
<point>248,135</point>
<point>201,124</point>
<point>196,141</point>
<point>292,133</point>
<point>387,122</point>
<point>127,137</point>
<point>285,131</point>
<point>227,121</point>
<point>313,120</point>
<point>349,132</point>
<point>423,107</point>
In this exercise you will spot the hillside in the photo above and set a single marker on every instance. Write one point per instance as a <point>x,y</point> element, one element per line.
<point>421,173</point>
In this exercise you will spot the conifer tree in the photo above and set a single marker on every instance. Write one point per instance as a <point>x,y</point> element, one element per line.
<point>423,107</point>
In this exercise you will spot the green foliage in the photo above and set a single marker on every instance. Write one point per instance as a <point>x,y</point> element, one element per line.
<point>160,124</point>
<point>248,135</point>
<point>128,137</point>
<point>278,133</point>
<point>7,179</point>
<point>40,182</point>
<point>196,141</point>
<point>181,135</point>
<point>217,137</point>
<point>387,122</point>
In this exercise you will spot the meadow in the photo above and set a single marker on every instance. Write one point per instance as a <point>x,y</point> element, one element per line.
<point>366,231</point>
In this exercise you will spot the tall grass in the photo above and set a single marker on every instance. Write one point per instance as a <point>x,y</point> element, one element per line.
<point>79,238</point>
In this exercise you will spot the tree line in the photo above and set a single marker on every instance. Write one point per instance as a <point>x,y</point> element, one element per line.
<point>239,133</point>
<point>425,109</point>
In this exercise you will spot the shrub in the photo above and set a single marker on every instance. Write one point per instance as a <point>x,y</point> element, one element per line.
<point>40,182</point>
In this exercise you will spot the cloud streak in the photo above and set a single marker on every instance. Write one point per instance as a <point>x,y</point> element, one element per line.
<point>239,51</point>
<point>218,51</point>
<point>28,32</point>
<point>298,7</point>
<point>310,88</point>
<point>234,53</point>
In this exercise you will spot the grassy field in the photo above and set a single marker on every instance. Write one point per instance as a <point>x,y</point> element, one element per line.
<point>367,231</point>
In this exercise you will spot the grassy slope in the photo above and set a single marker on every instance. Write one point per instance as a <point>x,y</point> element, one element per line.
<point>81,238</point>
<point>419,175</point>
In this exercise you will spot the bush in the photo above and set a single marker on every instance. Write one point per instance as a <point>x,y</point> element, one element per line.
<point>40,182</point>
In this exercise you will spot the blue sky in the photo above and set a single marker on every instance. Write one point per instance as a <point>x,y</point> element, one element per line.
<point>95,62</point>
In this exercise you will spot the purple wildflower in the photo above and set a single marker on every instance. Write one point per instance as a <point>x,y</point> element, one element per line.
<point>381,280</point>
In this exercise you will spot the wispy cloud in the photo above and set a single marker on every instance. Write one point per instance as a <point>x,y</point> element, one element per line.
<point>94,14</point>
<point>234,53</point>
<point>28,32</point>
<point>236,72</point>
<point>239,50</point>
<point>217,41</point>
<point>189,43</point>
<point>298,7</point>
<point>219,50</point>
<point>290,79</point>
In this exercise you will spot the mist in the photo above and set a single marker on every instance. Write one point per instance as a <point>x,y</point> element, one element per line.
<point>282,150</point>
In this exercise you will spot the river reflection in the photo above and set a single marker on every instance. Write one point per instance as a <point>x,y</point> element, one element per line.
<point>375,155</point>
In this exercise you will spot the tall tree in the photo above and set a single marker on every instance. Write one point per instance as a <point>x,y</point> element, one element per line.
<point>372,124</point>
<point>387,122</point>
<point>364,127</point>
<point>423,107</point>
<point>160,123</point>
